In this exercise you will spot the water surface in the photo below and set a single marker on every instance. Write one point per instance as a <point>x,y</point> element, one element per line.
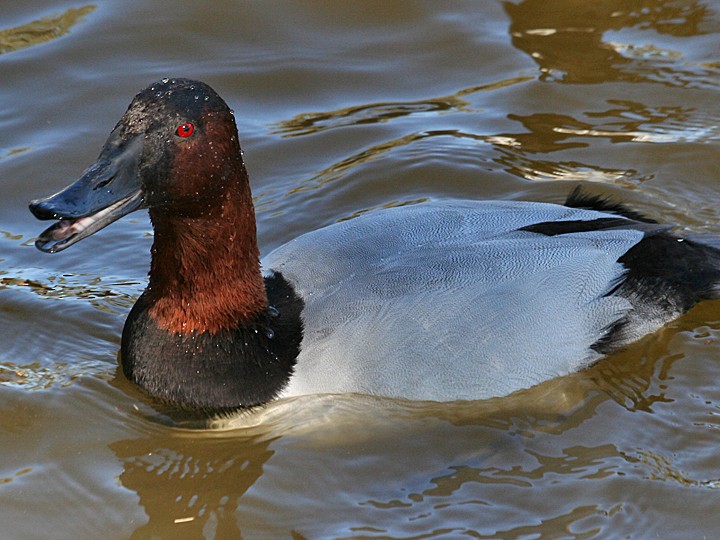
<point>344,108</point>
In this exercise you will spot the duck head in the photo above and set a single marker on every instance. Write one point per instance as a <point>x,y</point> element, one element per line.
<point>201,335</point>
<point>173,150</point>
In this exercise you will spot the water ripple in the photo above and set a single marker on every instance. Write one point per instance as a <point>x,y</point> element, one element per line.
<point>373,113</point>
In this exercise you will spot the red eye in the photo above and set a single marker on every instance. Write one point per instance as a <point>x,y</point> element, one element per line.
<point>185,130</point>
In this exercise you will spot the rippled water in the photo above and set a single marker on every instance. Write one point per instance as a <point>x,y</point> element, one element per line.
<point>343,108</point>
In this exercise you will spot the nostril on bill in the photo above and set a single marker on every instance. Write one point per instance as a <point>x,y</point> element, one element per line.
<point>104,183</point>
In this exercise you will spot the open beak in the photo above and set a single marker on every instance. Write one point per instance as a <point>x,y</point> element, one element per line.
<point>109,189</point>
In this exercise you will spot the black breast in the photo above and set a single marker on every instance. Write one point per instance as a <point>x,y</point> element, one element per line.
<point>214,372</point>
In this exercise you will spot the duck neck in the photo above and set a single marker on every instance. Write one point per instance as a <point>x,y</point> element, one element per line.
<point>205,272</point>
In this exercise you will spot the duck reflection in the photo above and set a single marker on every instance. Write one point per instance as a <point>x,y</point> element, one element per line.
<point>190,483</point>
<point>367,460</point>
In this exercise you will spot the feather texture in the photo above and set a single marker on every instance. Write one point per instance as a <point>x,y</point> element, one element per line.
<point>450,300</point>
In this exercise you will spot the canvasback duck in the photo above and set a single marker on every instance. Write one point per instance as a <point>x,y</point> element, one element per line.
<point>455,299</point>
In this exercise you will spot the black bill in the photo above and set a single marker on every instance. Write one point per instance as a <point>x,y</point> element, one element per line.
<point>109,189</point>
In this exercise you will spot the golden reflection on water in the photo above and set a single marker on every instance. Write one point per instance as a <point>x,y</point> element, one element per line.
<point>206,483</point>
<point>14,152</point>
<point>626,122</point>
<point>196,481</point>
<point>36,376</point>
<point>568,40</point>
<point>567,171</point>
<point>191,483</point>
<point>76,287</point>
<point>41,30</point>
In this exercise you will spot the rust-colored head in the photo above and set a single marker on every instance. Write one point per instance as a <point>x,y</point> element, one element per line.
<point>176,152</point>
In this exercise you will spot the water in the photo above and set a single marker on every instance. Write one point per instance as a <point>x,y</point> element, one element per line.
<point>344,108</point>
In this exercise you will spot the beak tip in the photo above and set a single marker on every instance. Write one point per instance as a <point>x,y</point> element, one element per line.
<point>42,209</point>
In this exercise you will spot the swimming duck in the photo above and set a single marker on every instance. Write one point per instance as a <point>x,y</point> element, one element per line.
<point>447,300</point>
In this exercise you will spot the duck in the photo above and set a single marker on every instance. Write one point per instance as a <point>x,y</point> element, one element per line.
<point>445,300</point>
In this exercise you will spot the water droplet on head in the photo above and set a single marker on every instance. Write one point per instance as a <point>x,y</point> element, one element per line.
<point>270,333</point>
<point>164,80</point>
<point>273,311</point>
<point>206,98</point>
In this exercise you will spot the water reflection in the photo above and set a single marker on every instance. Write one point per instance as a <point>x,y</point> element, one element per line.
<point>571,44</point>
<point>373,113</point>
<point>544,133</point>
<point>41,30</point>
<point>662,468</point>
<point>660,124</point>
<point>191,483</point>
<point>623,122</point>
<point>378,466</point>
<point>104,295</point>
<point>37,376</point>
<point>565,521</point>
<point>636,376</point>
<point>570,41</point>
<point>340,170</point>
<point>14,151</point>
<point>567,171</point>
<point>384,455</point>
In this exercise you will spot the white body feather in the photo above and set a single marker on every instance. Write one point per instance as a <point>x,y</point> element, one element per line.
<point>449,300</point>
